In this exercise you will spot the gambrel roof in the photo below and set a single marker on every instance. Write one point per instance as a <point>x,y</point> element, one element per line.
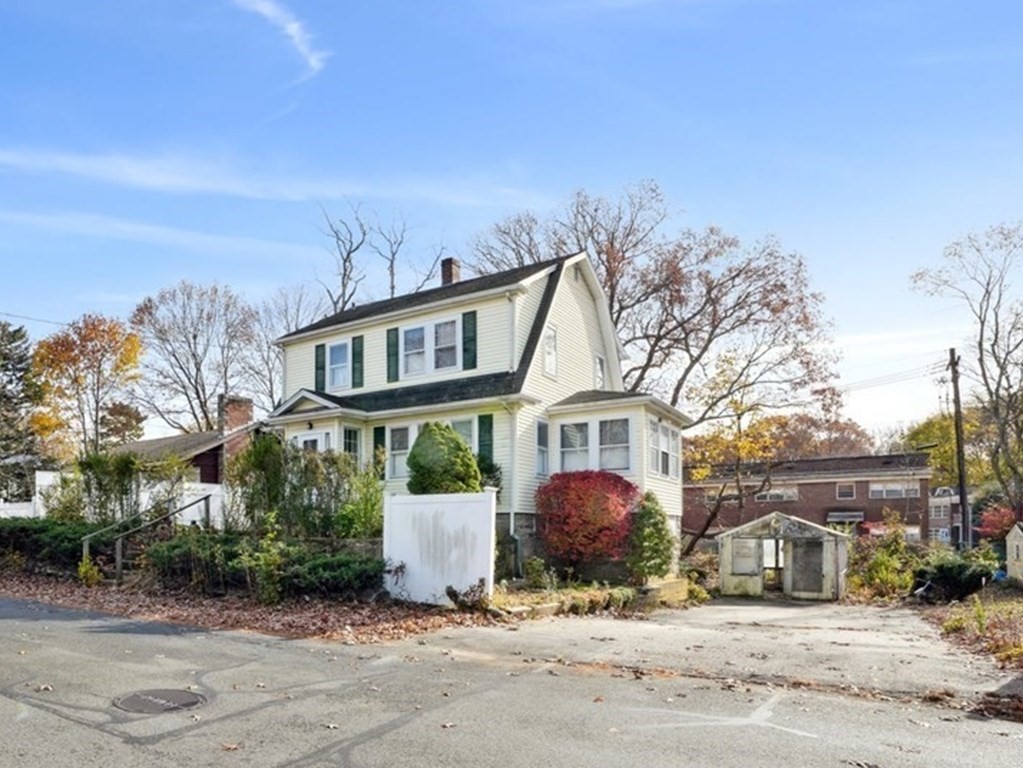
<point>459,289</point>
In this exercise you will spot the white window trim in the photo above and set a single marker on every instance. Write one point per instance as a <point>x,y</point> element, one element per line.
<point>780,493</point>
<point>348,379</point>
<point>628,445</point>
<point>546,448</point>
<point>413,433</point>
<point>473,432</point>
<point>675,442</point>
<point>907,489</point>
<point>551,371</point>
<point>839,497</point>
<point>324,439</point>
<point>358,432</point>
<point>599,372</point>
<point>429,347</point>
<point>593,445</point>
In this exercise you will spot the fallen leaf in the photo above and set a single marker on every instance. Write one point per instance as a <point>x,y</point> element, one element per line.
<point>447,725</point>
<point>598,699</point>
<point>230,747</point>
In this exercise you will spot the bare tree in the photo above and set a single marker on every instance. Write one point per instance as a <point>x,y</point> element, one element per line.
<point>285,311</point>
<point>702,318</point>
<point>195,338</point>
<point>348,237</point>
<point>388,242</point>
<point>977,272</point>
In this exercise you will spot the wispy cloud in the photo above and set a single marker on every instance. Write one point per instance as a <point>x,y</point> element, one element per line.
<point>113,228</point>
<point>291,27</point>
<point>182,174</point>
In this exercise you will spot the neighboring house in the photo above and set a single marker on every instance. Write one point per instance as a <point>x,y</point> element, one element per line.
<point>844,491</point>
<point>1014,553</point>
<point>523,364</point>
<point>945,515</point>
<point>208,452</point>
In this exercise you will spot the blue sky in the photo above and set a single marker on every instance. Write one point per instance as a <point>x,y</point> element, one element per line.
<point>142,143</point>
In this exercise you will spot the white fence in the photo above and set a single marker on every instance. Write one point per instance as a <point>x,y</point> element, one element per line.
<point>17,509</point>
<point>192,492</point>
<point>440,540</point>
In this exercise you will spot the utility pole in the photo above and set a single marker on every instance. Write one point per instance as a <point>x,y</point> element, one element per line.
<point>966,534</point>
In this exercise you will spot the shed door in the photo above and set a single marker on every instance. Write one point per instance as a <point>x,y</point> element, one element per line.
<point>807,565</point>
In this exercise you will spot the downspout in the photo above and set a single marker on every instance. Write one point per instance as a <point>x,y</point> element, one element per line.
<point>513,440</point>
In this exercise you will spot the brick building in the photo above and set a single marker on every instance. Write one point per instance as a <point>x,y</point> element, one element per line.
<point>835,491</point>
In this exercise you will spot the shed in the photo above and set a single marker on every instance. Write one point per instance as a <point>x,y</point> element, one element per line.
<point>810,559</point>
<point>1014,552</point>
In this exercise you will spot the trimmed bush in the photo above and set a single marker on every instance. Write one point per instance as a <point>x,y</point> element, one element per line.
<point>651,544</point>
<point>947,576</point>
<point>47,543</point>
<point>441,462</point>
<point>585,516</point>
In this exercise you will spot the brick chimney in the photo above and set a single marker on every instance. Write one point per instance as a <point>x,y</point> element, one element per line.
<point>233,412</point>
<point>450,271</point>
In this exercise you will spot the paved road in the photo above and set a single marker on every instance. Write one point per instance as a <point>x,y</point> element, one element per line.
<point>732,684</point>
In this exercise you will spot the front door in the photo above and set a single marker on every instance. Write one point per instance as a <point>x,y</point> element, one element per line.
<point>807,565</point>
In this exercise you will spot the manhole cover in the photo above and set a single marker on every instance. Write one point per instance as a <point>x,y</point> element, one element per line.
<point>156,701</point>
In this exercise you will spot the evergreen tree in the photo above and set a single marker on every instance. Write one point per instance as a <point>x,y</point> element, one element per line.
<point>19,393</point>
<point>441,462</point>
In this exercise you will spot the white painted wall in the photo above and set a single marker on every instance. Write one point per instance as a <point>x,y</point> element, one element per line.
<point>441,540</point>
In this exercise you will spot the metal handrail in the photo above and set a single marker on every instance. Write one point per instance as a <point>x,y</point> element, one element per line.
<point>119,541</point>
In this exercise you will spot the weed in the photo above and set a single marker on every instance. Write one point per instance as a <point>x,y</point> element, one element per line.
<point>88,572</point>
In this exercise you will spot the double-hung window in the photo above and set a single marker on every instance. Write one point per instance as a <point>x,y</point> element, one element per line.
<point>664,458</point>
<point>339,369</point>
<point>614,444</point>
<point>575,447</point>
<point>463,428</point>
<point>400,442</point>
<point>780,493</point>
<point>414,350</point>
<point>543,465</point>
<point>445,345</point>
<point>900,489</point>
<point>430,348</point>
<point>351,442</point>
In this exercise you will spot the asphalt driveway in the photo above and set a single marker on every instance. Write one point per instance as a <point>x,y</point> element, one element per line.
<point>730,684</point>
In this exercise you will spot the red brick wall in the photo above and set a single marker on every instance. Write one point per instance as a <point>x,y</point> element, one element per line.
<point>815,501</point>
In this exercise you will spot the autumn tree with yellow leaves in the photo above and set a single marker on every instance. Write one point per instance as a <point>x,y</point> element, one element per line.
<point>84,369</point>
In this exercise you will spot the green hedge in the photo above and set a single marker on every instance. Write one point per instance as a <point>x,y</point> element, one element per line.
<point>47,543</point>
<point>212,563</point>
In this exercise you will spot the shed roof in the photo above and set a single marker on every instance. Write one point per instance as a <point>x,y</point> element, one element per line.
<point>779,526</point>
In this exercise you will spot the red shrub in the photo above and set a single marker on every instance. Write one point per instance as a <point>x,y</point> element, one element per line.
<point>995,523</point>
<point>583,516</point>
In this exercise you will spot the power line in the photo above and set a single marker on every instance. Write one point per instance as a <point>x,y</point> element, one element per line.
<point>33,319</point>
<point>895,378</point>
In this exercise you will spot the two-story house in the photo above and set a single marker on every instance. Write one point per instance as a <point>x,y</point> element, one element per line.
<point>840,491</point>
<point>524,365</point>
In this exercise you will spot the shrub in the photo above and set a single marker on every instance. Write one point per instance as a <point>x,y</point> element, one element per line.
<point>332,574</point>
<point>88,572</point>
<point>882,566</point>
<point>313,494</point>
<point>651,544</point>
<point>202,561</point>
<point>949,576</point>
<point>583,516</point>
<point>441,462</point>
<point>48,543</point>
<point>65,499</point>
